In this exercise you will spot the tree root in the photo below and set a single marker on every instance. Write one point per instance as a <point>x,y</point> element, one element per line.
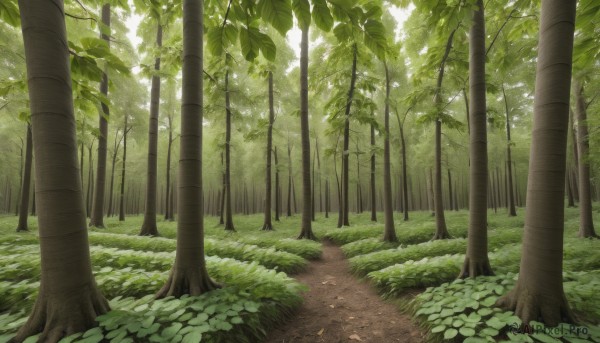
<point>542,307</point>
<point>55,316</point>
<point>149,231</point>
<point>474,268</point>
<point>267,227</point>
<point>187,281</point>
<point>441,235</point>
<point>307,234</point>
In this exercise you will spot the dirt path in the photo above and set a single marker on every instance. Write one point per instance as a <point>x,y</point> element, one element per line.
<point>341,308</point>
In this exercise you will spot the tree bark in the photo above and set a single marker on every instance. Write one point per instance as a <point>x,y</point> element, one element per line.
<point>476,259</point>
<point>277,190</point>
<point>149,225</point>
<point>112,175</point>
<point>24,208</point>
<point>289,192</point>
<point>268,225</point>
<point>189,274</point>
<point>97,218</point>
<point>538,294</point>
<point>512,212</point>
<point>222,202</point>
<point>306,225</point>
<point>168,214</point>
<point>228,211</point>
<point>68,300</point>
<point>586,225</point>
<point>346,152</point>
<point>373,185</point>
<point>389,232</point>
<point>90,185</point>
<point>122,193</point>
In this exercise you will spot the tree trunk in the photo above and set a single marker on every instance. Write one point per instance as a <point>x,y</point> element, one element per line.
<point>538,294</point>
<point>24,208</point>
<point>327,198</point>
<point>189,275</point>
<point>268,225</point>
<point>289,192</point>
<point>112,174</point>
<point>373,185</point>
<point>149,226</point>
<point>575,176</point>
<point>586,225</point>
<point>389,232</point>
<point>277,190</point>
<point>90,185</point>
<point>476,260</point>
<point>306,226</point>
<point>122,193</point>
<point>222,202</point>
<point>346,152</point>
<point>512,212</point>
<point>168,213</point>
<point>68,300</point>
<point>97,219</point>
<point>312,210</point>
<point>404,173</point>
<point>450,193</point>
<point>228,212</point>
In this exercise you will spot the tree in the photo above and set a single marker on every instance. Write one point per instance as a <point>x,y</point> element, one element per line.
<point>68,300</point>
<point>122,192</point>
<point>24,207</point>
<point>227,177</point>
<point>389,234</point>
<point>97,216</point>
<point>476,260</point>
<point>189,275</point>
<point>538,294</point>
<point>268,225</point>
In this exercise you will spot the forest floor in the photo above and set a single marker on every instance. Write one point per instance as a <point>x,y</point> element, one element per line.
<point>341,308</point>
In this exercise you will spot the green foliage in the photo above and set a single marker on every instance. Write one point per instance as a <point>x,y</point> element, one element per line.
<point>278,13</point>
<point>365,246</point>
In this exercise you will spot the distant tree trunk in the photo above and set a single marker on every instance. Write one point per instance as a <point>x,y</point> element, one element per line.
<point>122,193</point>
<point>188,274</point>
<point>346,153</point>
<point>571,201</point>
<point>33,199</point>
<point>21,166</point>
<point>81,157</point>
<point>97,218</point>
<point>112,175</point>
<point>389,232</point>
<point>339,191</point>
<point>277,190</point>
<point>538,294</point>
<point>430,199</point>
<point>476,259</point>
<point>575,172</point>
<point>24,208</point>
<point>172,202</point>
<point>586,225</point>
<point>312,210</point>
<point>306,226</point>
<point>90,185</point>
<point>358,189</point>
<point>268,225</point>
<point>450,196</point>
<point>68,301</point>
<point>404,168</point>
<point>289,193</point>
<point>149,225</point>
<point>168,214</point>
<point>373,195</point>
<point>512,212</point>
<point>327,197</point>
<point>222,205</point>
<point>467,110</point>
<point>228,211</point>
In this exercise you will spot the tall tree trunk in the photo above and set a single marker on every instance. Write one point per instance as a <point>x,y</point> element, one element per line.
<point>222,202</point>
<point>33,199</point>
<point>68,300</point>
<point>21,166</point>
<point>476,260</point>
<point>122,193</point>
<point>149,225</point>
<point>389,232</point>
<point>327,197</point>
<point>570,199</point>
<point>430,198</point>
<point>277,189</point>
<point>189,275</point>
<point>90,185</point>
<point>97,219</point>
<point>228,212</point>
<point>268,225</point>
<point>358,189</point>
<point>312,210</point>
<point>24,208</point>
<point>168,213</point>
<point>289,192</point>
<point>372,184</point>
<point>512,212</point>
<point>112,174</point>
<point>450,193</point>
<point>586,225</point>
<point>538,294</point>
<point>575,172</point>
<point>306,225</point>
<point>404,172</point>
<point>346,153</point>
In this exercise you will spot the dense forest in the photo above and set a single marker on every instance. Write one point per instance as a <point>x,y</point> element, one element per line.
<point>229,171</point>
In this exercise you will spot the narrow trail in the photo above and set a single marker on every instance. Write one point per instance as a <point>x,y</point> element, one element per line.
<point>341,308</point>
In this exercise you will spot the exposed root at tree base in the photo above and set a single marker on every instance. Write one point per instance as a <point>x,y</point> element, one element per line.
<point>588,234</point>
<point>267,227</point>
<point>307,234</point>
<point>22,229</point>
<point>475,267</point>
<point>441,235</point>
<point>55,316</point>
<point>187,281</point>
<point>149,231</point>
<point>529,307</point>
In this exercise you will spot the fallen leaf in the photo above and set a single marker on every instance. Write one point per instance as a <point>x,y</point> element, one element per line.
<point>321,331</point>
<point>355,337</point>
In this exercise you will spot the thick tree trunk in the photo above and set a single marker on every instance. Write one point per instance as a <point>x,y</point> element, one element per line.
<point>372,184</point>
<point>346,152</point>
<point>68,300</point>
<point>268,225</point>
<point>228,211</point>
<point>389,232</point>
<point>277,190</point>
<point>189,275</point>
<point>476,260</point>
<point>538,294</point>
<point>24,208</point>
<point>149,225</point>
<point>586,225</point>
<point>306,226</point>
<point>97,218</point>
<point>122,193</point>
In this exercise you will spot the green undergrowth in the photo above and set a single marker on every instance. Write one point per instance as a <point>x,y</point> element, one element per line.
<point>364,264</point>
<point>464,311</point>
<point>365,246</point>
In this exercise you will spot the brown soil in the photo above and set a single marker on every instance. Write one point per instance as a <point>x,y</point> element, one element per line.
<point>340,308</point>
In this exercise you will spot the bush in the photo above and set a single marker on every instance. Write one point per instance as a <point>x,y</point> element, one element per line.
<point>365,246</point>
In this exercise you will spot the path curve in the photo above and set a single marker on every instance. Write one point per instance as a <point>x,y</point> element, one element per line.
<point>341,308</point>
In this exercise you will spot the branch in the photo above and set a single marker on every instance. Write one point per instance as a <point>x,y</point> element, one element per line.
<point>80,18</point>
<point>510,15</point>
<point>586,106</point>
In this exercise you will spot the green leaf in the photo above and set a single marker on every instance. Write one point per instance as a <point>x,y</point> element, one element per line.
<point>467,332</point>
<point>450,333</point>
<point>542,337</point>
<point>267,47</point>
<point>9,12</point>
<point>438,328</point>
<point>278,13</point>
<point>302,11</point>
<point>322,15</point>
<point>171,331</point>
<point>250,42</point>
<point>201,318</point>
<point>192,337</point>
<point>375,38</point>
